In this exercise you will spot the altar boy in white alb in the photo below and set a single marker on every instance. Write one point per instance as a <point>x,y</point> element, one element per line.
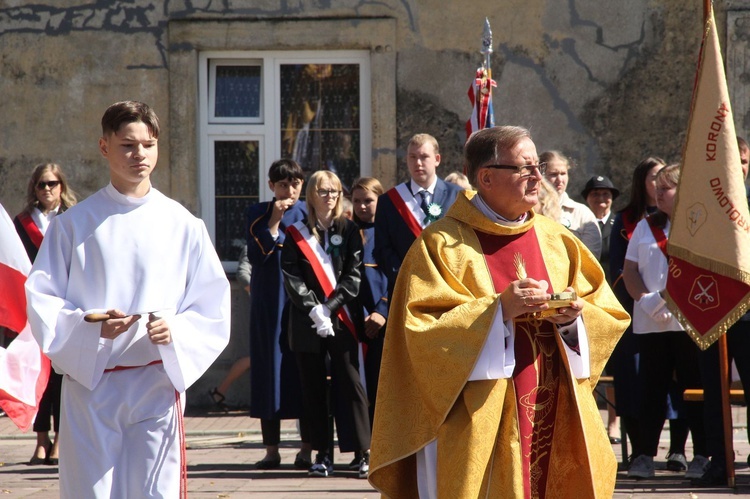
<point>148,267</point>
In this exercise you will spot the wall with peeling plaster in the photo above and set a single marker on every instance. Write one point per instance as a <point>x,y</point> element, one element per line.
<point>608,83</point>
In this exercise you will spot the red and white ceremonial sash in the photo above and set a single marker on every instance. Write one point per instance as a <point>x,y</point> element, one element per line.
<point>24,371</point>
<point>31,229</point>
<point>320,261</point>
<point>658,233</point>
<point>408,207</point>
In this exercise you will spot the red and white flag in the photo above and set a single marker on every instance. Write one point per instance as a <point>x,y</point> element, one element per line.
<point>24,371</point>
<point>708,285</point>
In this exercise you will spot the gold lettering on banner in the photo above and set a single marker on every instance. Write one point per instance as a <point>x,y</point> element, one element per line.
<point>726,204</point>
<point>713,136</point>
<point>673,269</point>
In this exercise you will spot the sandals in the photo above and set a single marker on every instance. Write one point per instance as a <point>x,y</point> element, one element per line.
<point>218,399</point>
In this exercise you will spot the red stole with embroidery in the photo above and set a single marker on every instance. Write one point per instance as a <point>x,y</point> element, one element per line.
<point>323,270</point>
<point>538,362</point>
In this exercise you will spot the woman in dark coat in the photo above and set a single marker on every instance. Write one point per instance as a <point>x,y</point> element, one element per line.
<point>274,382</point>
<point>322,264</point>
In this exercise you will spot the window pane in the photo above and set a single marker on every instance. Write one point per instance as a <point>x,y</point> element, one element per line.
<point>237,91</point>
<point>236,179</point>
<point>320,117</point>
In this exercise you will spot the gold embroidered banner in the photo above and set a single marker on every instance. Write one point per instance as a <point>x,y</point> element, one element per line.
<point>708,286</point>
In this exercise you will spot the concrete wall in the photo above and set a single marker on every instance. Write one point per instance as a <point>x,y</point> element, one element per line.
<point>608,83</point>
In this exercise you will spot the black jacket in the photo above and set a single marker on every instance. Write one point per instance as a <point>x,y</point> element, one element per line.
<point>305,291</point>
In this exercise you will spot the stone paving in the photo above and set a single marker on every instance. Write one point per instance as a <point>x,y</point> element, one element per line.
<point>223,447</point>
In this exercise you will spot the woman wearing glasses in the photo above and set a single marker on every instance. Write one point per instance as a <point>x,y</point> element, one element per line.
<point>46,196</point>
<point>322,265</point>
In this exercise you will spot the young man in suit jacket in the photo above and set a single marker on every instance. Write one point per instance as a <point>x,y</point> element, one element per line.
<point>406,209</point>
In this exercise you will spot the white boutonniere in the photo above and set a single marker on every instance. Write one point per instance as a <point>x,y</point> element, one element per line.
<point>434,212</point>
<point>335,244</point>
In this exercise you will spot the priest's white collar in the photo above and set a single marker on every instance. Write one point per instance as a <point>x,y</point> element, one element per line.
<point>488,212</point>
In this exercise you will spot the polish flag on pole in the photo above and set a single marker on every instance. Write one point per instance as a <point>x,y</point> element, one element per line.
<point>24,371</point>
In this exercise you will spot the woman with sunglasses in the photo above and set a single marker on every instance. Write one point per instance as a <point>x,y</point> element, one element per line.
<point>322,267</point>
<point>46,195</point>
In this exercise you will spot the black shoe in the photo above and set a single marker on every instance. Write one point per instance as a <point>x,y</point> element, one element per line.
<point>354,465</point>
<point>715,476</point>
<point>268,464</point>
<point>218,399</point>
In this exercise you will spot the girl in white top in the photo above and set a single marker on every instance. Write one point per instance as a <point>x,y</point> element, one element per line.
<point>669,353</point>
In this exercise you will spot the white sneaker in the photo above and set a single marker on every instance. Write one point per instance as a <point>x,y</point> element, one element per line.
<point>642,467</point>
<point>321,467</point>
<point>364,465</point>
<point>698,467</point>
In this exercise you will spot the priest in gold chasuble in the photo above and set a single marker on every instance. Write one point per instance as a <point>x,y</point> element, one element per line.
<point>485,389</point>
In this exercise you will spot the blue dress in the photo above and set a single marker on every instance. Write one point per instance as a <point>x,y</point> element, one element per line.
<point>373,294</point>
<point>275,391</point>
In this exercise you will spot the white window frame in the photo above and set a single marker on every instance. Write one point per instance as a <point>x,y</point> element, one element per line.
<point>266,132</point>
<point>212,118</point>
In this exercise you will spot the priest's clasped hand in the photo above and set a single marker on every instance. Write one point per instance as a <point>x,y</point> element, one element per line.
<point>566,315</point>
<point>524,296</point>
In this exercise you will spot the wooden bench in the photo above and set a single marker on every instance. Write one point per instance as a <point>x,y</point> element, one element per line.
<point>696,395</point>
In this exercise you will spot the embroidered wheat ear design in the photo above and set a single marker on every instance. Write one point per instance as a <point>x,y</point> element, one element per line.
<point>520,265</point>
